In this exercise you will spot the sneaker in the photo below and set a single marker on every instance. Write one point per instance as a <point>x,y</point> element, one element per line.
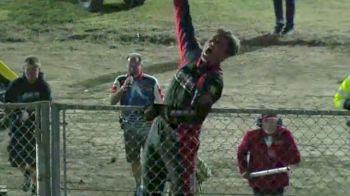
<point>287,31</point>
<point>27,181</point>
<point>278,29</point>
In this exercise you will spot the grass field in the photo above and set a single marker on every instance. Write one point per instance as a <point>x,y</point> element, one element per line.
<point>83,52</point>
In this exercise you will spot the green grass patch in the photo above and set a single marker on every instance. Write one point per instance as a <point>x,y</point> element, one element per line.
<point>42,12</point>
<point>64,19</point>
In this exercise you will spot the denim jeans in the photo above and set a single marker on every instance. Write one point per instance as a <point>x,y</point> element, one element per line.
<point>290,11</point>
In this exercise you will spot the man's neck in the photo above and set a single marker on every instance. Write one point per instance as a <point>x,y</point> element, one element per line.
<point>202,63</point>
<point>138,76</point>
<point>206,66</point>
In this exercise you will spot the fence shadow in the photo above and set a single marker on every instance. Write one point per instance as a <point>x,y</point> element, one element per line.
<point>115,7</point>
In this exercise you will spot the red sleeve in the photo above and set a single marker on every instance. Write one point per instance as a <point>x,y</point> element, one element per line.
<point>292,154</point>
<point>187,44</point>
<point>242,152</point>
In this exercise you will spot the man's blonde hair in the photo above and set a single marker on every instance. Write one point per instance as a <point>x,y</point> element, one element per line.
<point>233,43</point>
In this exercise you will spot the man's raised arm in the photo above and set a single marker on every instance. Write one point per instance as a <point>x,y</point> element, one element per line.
<point>188,47</point>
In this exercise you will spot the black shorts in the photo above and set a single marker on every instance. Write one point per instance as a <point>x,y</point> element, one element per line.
<point>21,148</point>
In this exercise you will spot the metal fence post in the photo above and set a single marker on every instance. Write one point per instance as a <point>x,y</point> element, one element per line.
<point>64,137</point>
<point>43,150</point>
<point>55,150</point>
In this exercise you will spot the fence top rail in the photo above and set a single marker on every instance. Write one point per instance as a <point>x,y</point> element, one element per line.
<point>30,105</point>
<point>282,111</point>
<point>64,106</point>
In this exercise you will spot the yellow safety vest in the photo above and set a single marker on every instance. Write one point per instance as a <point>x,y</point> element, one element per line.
<point>342,94</point>
<point>6,74</point>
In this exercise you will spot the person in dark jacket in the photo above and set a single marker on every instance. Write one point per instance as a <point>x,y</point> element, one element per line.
<point>30,87</point>
<point>267,147</point>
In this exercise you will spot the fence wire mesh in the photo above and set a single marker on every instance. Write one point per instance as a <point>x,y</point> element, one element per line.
<point>18,125</point>
<point>95,159</point>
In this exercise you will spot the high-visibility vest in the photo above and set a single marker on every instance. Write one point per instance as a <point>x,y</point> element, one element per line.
<point>6,74</point>
<point>342,94</point>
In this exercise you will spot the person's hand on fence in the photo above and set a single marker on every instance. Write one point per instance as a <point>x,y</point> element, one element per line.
<point>151,111</point>
<point>24,116</point>
<point>154,110</point>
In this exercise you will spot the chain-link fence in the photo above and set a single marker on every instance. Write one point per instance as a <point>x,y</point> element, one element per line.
<point>321,139</point>
<point>24,147</point>
<point>91,144</point>
<point>94,159</point>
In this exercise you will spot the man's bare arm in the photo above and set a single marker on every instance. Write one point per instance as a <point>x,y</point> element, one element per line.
<point>115,97</point>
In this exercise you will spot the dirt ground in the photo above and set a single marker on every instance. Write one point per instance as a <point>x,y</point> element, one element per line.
<point>282,74</point>
<point>271,76</point>
<point>300,71</point>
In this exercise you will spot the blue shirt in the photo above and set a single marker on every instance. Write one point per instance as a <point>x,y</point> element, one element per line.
<point>143,91</point>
